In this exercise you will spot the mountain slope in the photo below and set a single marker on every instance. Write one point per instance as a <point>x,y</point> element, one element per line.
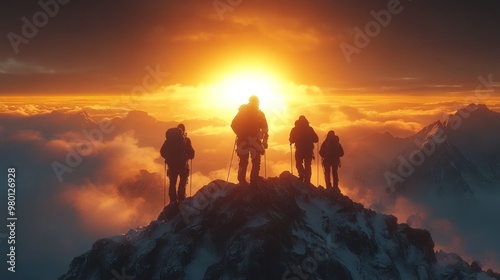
<point>281,229</point>
<point>459,158</point>
<point>466,157</point>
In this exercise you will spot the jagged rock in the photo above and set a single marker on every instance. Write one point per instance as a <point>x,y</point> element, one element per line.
<point>280,229</point>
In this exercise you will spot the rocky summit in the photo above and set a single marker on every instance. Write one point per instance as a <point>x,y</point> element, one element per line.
<point>279,229</point>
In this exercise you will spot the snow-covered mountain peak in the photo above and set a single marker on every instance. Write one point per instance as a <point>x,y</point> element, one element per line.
<point>280,229</point>
<point>471,115</point>
<point>429,132</point>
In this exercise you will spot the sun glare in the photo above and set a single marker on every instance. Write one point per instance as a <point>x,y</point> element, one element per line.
<point>236,88</point>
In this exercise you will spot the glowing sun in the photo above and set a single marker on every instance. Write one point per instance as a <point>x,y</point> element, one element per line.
<point>235,89</point>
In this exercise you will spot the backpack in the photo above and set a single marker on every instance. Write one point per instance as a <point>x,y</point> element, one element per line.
<point>331,150</point>
<point>246,123</point>
<point>174,147</point>
<point>338,151</point>
<point>304,137</point>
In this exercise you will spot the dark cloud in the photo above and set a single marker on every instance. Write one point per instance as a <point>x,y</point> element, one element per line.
<point>53,228</point>
<point>95,46</point>
<point>114,186</point>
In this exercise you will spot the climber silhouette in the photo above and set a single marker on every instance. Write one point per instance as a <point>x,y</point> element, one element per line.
<point>331,151</point>
<point>177,150</point>
<point>304,137</point>
<point>250,127</point>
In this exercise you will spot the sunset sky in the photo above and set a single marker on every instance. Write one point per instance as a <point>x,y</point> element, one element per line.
<point>96,47</point>
<point>196,62</point>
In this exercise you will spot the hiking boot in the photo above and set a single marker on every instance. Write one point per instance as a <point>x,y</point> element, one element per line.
<point>243,183</point>
<point>257,181</point>
<point>337,190</point>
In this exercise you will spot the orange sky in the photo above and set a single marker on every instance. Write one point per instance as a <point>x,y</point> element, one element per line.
<point>107,47</point>
<point>185,61</point>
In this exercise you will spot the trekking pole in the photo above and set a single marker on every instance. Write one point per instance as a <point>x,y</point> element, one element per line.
<point>317,164</point>
<point>191,179</point>
<point>265,165</point>
<point>324,171</point>
<point>164,180</point>
<point>231,162</point>
<point>291,159</point>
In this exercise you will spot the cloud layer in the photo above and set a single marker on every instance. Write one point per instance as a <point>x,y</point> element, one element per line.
<point>117,184</point>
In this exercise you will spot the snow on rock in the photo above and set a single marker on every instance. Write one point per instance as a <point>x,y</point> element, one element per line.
<point>280,229</point>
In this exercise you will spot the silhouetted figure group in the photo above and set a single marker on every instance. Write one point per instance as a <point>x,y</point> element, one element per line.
<point>251,129</point>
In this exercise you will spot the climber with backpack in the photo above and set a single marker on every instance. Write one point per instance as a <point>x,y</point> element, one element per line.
<point>331,151</point>
<point>250,127</point>
<point>304,137</point>
<point>177,150</point>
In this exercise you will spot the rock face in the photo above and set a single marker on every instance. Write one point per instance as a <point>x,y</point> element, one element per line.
<point>280,229</point>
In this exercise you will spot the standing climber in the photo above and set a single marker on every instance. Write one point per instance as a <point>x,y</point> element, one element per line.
<point>304,137</point>
<point>331,151</point>
<point>250,127</point>
<point>177,151</point>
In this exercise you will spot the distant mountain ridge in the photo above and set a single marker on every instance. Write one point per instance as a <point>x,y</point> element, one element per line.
<point>280,229</point>
<point>457,157</point>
